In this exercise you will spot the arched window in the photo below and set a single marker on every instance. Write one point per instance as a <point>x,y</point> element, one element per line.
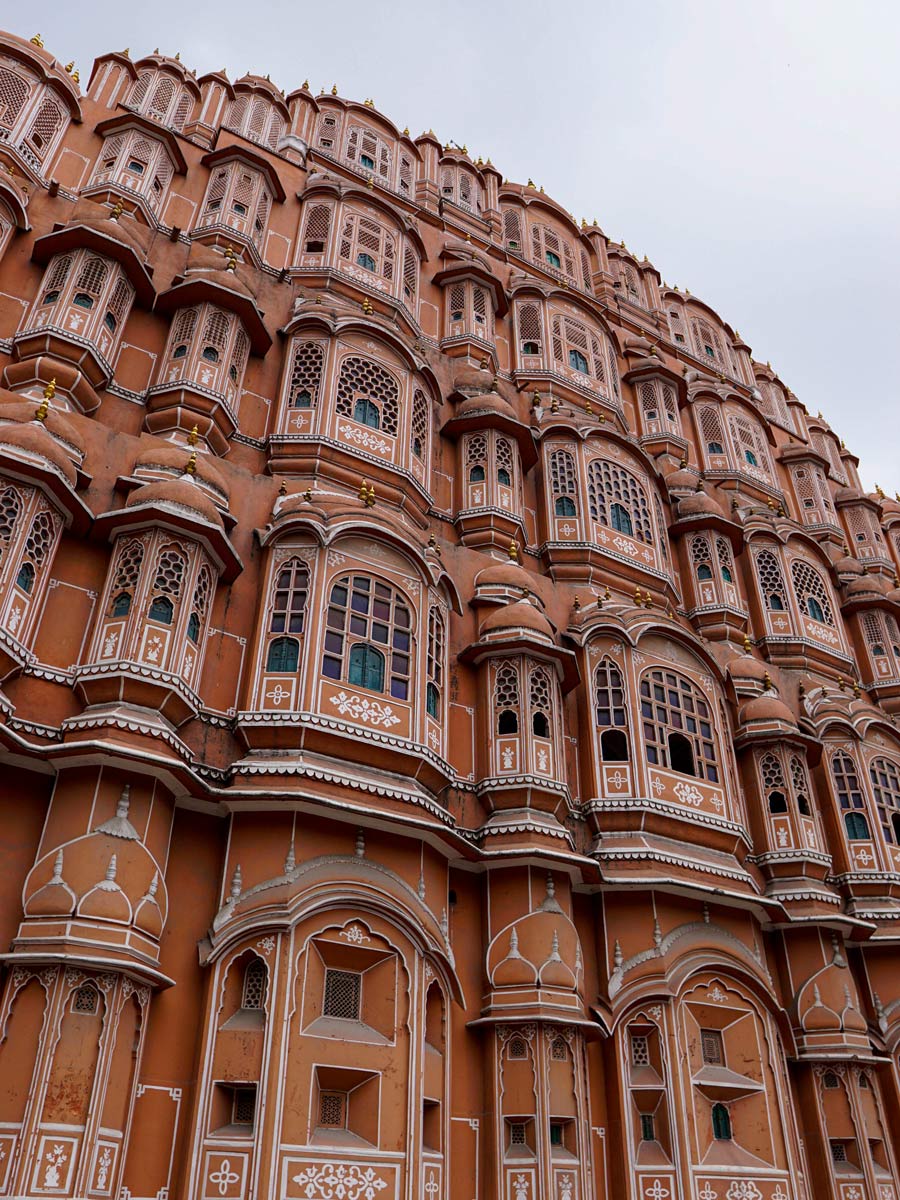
<point>540,702</point>
<point>365,613</point>
<point>811,594</point>
<point>476,474</point>
<point>800,785</point>
<point>283,654</point>
<point>618,500</point>
<point>563,483</point>
<point>254,991</point>
<point>885,776</point>
<point>40,540</point>
<point>305,376</point>
<point>167,585</point>
<point>530,329</point>
<point>849,794</point>
<point>125,580</point>
<point>362,380</point>
<point>13,95</point>
<point>771,580</point>
<point>419,428</point>
<point>857,827</point>
<point>773,783</point>
<point>678,725</point>
<point>721,1122</point>
<point>610,711</point>
<point>317,228</point>
<point>366,667</point>
<point>10,510</point>
<point>364,242</point>
<point>434,662</point>
<point>726,562</point>
<point>577,347</point>
<point>506,699</point>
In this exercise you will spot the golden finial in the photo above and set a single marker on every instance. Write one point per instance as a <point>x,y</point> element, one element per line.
<point>307,495</point>
<point>406,131</point>
<point>554,405</point>
<point>44,406</point>
<point>367,306</point>
<point>536,399</point>
<point>231,256</point>
<point>50,389</point>
<point>607,593</point>
<point>683,464</point>
<point>156,51</point>
<point>194,436</point>
<point>781,512</point>
<point>648,600</point>
<point>857,690</point>
<point>191,468</point>
<point>370,183</point>
<point>637,596</point>
<point>468,236</point>
<point>69,67</point>
<point>589,408</point>
<point>118,209</point>
<point>513,551</point>
<point>747,644</point>
<point>576,604</point>
<point>282,488</point>
<point>495,387</point>
<point>364,490</point>
<point>599,600</point>
<point>770,504</point>
<point>531,183</point>
<point>76,78</point>
<point>370,497</point>
<point>465,148</point>
<point>879,492</point>
<point>305,85</point>
<point>842,683</point>
<point>126,53</point>
<point>178,56</point>
<point>334,90</point>
<point>38,41</point>
<point>767,682</point>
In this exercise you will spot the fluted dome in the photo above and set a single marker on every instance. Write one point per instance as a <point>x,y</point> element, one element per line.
<point>32,440</point>
<point>867,585</point>
<point>521,615</point>
<point>486,402</point>
<point>700,504</point>
<point>179,493</point>
<point>766,708</point>
<point>171,458</point>
<point>504,574</point>
<point>22,409</point>
<point>681,481</point>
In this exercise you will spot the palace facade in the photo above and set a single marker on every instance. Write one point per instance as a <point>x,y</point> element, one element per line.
<point>449,685</point>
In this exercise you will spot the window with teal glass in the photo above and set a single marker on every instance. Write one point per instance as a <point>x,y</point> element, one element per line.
<point>366,667</point>
<point>283,655</point>
<point>367,413</point>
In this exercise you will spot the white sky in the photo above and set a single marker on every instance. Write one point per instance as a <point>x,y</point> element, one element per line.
<point>749,147</point>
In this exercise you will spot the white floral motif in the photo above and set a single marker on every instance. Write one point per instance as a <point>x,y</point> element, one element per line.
<point>224,1177</point>
<point>543,761</point>
<point>617,780</point>
<point>103,1165</point>
<point>266,944</point>
<point>506,757</point>
<point>566,1186</point>
<point>370,712</point>
<point>354,934</point>
<point>658,786</point>
<point>743,1190</point>
<point>688,794</point>
<point>707,1193</point>
<point>657,1191</point>
<point>717,995</point>
<point>626,547</point>
<point>54,1160</point>
<point>277,694</point>
<point>14,618</point>
<point>109,643</point>
<point>363,438</point>
<point>330,1182</point>
<point>154,646</point>
<point>520,1186</point>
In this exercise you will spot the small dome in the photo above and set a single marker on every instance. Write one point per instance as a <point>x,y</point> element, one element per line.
<point>521,615</point>
<point>867,585</point>
<point>681,480</point>
<point>846,565</point>
<point>486,402</point>
<point>504,574</point>
<point>766,708</point>
<point>179,493</point>
<point>467,375</point>
<point>125,230</point>
<point>700,504</point>
<point>746,668</point>
<point>33,439</point>
<point>14,407</point>
<point>204,263</point>
<point>169,458</point>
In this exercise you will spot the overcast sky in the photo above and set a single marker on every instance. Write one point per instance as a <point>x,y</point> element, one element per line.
<point>750,148</point>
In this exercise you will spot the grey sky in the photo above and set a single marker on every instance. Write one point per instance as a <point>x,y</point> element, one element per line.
<point>748,147</point>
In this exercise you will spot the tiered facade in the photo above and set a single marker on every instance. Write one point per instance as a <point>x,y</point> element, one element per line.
<point>448,686</point>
